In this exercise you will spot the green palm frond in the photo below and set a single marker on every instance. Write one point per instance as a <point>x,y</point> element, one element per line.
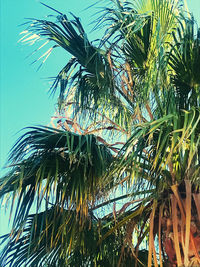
<point>48,161</point>
<point>154,148</point>
<point>56,237</point>
<point>40,240</point>
<point>137,47</point>
<point>139,33</point>
<point>184,59</point>
<point>89,69</point>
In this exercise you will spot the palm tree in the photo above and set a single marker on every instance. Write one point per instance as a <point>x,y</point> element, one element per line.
<point>115,180</point>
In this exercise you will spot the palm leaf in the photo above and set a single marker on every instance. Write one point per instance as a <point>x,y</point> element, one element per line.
<point>184,59</point>
<point>93,75</point>
<point>47,239</point>
<point>46,160</point>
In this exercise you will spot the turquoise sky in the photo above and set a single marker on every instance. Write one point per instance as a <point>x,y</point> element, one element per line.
<point>23,91</point>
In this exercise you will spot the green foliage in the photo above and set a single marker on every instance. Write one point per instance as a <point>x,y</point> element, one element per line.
<point>138,86</point>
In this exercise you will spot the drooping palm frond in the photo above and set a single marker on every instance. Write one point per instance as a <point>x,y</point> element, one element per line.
<point>39,242</point>
<point>88,70</point>
<point>184,59</point>
<point>50,161</point>
<point>30,243</point>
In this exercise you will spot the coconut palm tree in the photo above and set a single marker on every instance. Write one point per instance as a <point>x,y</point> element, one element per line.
<point>115,180</point>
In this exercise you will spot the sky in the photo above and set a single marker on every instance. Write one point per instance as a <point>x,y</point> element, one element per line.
<point>24,98</point>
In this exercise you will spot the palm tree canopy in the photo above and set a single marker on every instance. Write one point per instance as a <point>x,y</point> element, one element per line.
<point>129,124</point>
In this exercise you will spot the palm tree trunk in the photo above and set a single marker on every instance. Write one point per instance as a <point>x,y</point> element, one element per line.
<point>181,238</point>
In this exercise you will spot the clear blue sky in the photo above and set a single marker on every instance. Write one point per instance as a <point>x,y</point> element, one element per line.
<point>23,91</point>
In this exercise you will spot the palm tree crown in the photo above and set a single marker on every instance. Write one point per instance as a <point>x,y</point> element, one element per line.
<point>115,180</point>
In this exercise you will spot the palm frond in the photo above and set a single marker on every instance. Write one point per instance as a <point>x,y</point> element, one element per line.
<point>50,161</point>
<point>184,59</point>
<point>56,237</point>
<point>92,73</point>
<point>151,151</point>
